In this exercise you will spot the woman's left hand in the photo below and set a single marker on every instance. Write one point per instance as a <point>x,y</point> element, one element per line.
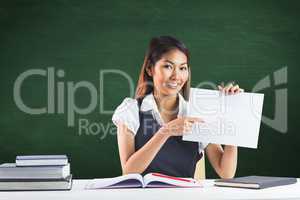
<point>230,88</point>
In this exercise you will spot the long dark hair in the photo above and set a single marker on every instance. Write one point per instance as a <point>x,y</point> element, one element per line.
<point>157,47</point>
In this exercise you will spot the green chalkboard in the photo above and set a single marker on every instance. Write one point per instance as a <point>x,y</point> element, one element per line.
<point>62,46</point>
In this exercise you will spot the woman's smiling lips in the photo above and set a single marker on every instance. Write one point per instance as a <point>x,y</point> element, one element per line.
<point>172,85</point>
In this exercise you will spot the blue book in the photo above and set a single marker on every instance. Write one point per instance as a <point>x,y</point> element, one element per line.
<point>36,184</point>
<point>41,160</point>
<point>255,182</point>
<point>11,171</point>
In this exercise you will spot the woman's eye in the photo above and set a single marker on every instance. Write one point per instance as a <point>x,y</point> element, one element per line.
<point>183,68</point>
<point>168,66</point>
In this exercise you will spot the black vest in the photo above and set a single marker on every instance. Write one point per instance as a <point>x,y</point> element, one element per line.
<point>175,158</point>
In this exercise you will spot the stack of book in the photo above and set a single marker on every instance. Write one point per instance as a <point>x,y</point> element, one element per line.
<point>36,172</point>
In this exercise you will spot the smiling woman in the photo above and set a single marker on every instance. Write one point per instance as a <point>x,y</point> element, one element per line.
<point>167,54</point>
<point>150,127</point>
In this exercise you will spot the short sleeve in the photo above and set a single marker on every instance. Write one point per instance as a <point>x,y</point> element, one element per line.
<point>128,113</point>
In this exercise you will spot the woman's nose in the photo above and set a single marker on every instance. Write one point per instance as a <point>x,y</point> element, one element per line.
<point>175,74</point>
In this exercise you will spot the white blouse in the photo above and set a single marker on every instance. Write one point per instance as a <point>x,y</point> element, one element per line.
<point>128,113</point>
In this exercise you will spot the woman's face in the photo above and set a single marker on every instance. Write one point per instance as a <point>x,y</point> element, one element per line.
<point>170,73</point>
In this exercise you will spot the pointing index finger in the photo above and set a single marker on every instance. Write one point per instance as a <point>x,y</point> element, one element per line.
<point>194,119</point>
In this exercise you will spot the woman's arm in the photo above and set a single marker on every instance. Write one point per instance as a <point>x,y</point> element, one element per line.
<point>224,161</point>
<point>137,162</point>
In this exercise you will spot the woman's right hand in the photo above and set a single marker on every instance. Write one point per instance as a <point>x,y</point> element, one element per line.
<point>179,126</point>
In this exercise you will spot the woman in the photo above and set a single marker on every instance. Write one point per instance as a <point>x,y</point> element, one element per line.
<point>150,127</point>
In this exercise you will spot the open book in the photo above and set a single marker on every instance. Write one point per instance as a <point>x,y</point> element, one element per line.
<point>138,181</point>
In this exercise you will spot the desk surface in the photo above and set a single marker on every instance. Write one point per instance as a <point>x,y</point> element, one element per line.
<point>207,192</point>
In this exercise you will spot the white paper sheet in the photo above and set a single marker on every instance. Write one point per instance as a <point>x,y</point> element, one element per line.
<point>229,119</point>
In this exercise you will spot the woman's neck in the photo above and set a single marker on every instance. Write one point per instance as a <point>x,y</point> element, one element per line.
<point>166,104</point>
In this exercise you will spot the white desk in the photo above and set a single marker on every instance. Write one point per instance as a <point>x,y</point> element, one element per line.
<point>207,192</point>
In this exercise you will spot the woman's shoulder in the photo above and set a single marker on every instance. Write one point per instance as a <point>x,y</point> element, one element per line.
<point>128,113</point>
<point>127,103</point>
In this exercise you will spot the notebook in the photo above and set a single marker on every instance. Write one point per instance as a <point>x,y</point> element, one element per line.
<point>255,182</point>
<point>153,180</point>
